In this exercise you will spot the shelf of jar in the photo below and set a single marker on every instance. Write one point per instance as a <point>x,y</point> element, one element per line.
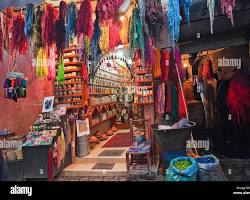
<point>100,106</point>
<point>144,81</point>
<point>103,86</point>
<point>94,94</point>
<point>111,73</point>
<point>68,102</point>
<point>101,77</point>
<point>144,95</point>
<point>70,95</point>
<point>69,83</point>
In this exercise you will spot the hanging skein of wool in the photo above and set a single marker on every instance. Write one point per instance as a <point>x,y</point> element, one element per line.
<point>6,24</point>
<point>19,40</point>
<point>136,40</point>
<point>174,19</point>
<point>1,41</point>
<point>142,9</point>
<point>51,65</point>
<point>211,6</point>
<point>108,9</point>
<point>60,28</point>
<point>95,49</point>
<point>84,19</point>
<point>186,4</point>
<point>179,63</point>
<point>48,24</point>
<point>114,34</point>
<point>29,20</point>
<point>70,23</point>
<point>227,7</point>
<point>60,72</point>
<point>83,48</point>
<point>41,64</point>
<point>37,31</point>
<point>104,39</point>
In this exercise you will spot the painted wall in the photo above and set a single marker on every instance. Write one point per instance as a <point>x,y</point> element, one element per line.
<point>18,117</point>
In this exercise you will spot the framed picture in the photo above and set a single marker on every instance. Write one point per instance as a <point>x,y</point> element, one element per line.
<point>48,104</point>
<point>82,127</point>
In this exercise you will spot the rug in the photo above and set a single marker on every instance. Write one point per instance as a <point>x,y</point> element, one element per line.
<point>107,166</point>
<point>111,153</point>
<point>119,140</point>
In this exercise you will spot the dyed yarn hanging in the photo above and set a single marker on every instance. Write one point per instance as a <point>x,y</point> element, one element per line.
<point>6,24</point>
<point>19,40</point>
<point>186,4</point>
<point>104,39</point>
<point>142,8</point>
<point>70,23</point>
<point>48,24</point>
<point>37,31</point>
<point>60,72</point>
<point>84,19</point>
<point>154,17</point>
<point>1,41</point>
<point>136,40</point>
<point>83,48</point>
<point>41,64</point>
<point>211,6</point>
<point>60,28</point>
<point>51,65</point>
<point>179,63</point>
<point>174,20</point>
<point>181,102</point>
<point>227,7</point>
<point>108,9</point>
<point>95,49</point>
<point>114,34</point>
<point>29,20</point>
<point>238,98</point>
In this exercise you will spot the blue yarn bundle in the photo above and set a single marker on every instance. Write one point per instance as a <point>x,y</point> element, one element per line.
<point>173,19</point>
<point>95,49</point>
<point>70,23</point>
<point>29,20</point>
<point>186,4</point>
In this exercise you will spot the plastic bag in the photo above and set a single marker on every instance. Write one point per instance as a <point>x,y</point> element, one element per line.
<point>175,174</point>
<point>210,171</point>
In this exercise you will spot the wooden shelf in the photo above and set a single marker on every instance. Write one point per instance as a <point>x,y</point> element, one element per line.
<point>70,95</point>
<point>142,72</point>
<point>111,73</point>
<point>107,79</point>
<point>70,56</point>
<point>143,103</point>
<point>70,77</point>
<point>147,86</point>
<point>103,86</point>
<point>93,125</point>
<point>144,95</point>
<point>69,50</point>
<point>66,90</point>
<point>101,94</point>
<point>74,107</point>
<point>72,70</point>
<point>67,102</point>
<point>70,83</point>
<point>143,81</point>
<point>72,63</point>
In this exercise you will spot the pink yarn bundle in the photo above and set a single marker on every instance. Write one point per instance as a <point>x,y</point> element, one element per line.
<point>227,7</point>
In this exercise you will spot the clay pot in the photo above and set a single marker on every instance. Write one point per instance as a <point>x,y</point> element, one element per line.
<point>114,129</point>
<point>110,132</point>
<point>92,139</point>
<point>98,134</point>
<point>104,137</point>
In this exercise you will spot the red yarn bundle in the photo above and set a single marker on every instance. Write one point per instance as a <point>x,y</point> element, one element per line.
<point>84,19</point>
<point>19,40</point>
<point>48,26</point>
<point>238,98</point>
<point>1,43</point>
<point>108,9</point>
<point>114,34</point>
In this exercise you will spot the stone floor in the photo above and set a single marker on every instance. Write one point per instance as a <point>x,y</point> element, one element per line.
<point>234,170</point>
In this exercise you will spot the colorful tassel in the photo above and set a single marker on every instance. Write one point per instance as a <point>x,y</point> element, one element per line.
<point>29,20</point>
<point>60,72</point>
<point>95,49</point>
<point>70,23</point>
<point>37,31</point>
